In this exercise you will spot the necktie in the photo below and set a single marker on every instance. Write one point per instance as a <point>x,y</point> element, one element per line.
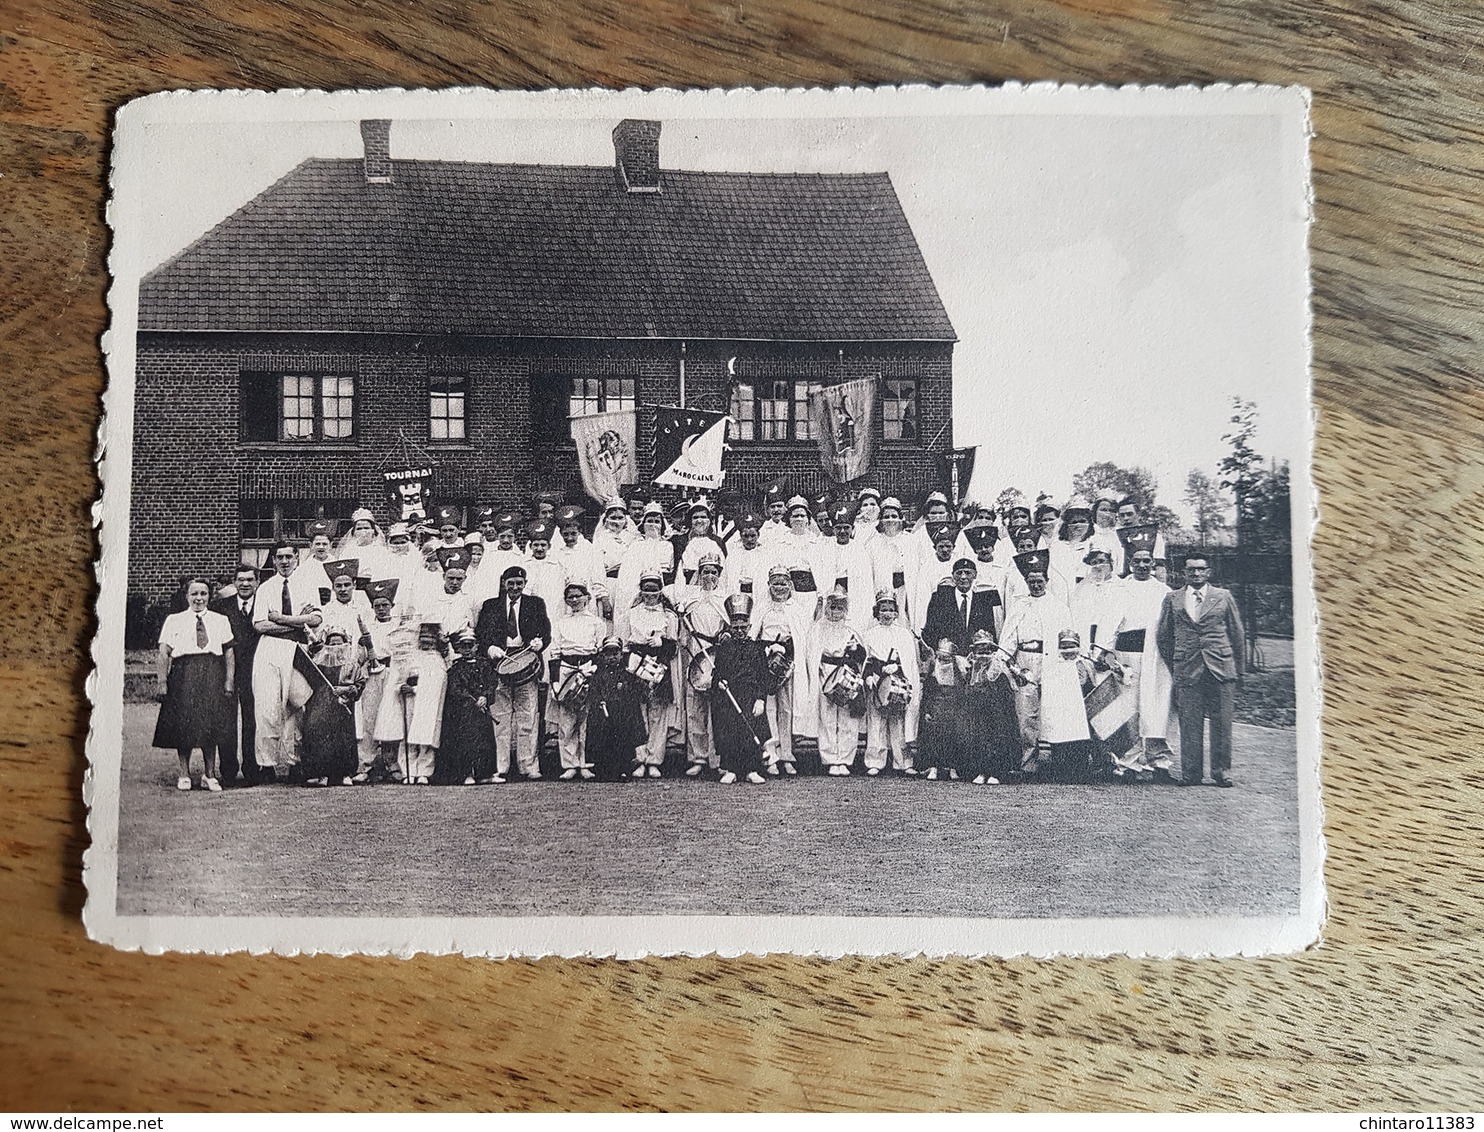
<point>246,606</point>
<point>288,604</point>
<point>201,638</point>
<point>1200,596</point>
<point>963,603</point>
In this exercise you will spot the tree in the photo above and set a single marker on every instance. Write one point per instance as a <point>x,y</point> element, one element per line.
<point>1240,470</point>
<point>1137,483</point>
<point>1204,498</point>
<point>1161,516</point>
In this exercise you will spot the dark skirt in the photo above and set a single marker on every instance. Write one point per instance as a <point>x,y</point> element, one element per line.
<point>196,711</point>
<point>991,735</point>
<point>942,727</point>
<point>615,723</point>
<point>329,729</point>
<point>466,748</point>
<point>739,738</point>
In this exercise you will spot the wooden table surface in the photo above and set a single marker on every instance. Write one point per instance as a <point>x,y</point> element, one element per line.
<point>1385,1014</point>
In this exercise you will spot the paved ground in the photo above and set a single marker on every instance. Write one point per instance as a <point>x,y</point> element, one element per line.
<point>830,846</point>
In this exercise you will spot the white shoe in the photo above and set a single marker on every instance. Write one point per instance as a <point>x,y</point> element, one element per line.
<point>183,783</point>
<point>422,780</point>
<point>469,781</point>
<point>346,782</point>
<point>789,769</point>
<point>586,774</point>
<point>979,780</point>
<point>498,780</point>
<point>991,780</point>
<point>773,770</point>
<point>838,771</point>
<point>654,772</point>
<point>871,772</point>
<point>910,772</point>
<point>755,778</point>
<point>212,784</point>
<point>694,770</point>
<point>932,774</point>
<point>728,778</point>
<point>569,774</point>
<point>953,775</point>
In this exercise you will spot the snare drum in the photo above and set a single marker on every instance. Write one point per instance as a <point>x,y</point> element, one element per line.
<point>519,667</point>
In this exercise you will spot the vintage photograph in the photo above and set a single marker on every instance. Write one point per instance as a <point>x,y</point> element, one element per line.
<point>850,521</point>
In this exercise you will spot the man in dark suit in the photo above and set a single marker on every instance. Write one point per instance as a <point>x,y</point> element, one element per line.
<point>1200,637</point>
<point>514,622</point>
<point>238,610</point>
<point>955,613</point>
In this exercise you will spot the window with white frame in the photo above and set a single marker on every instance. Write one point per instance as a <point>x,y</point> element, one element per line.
<point>447,401</point>
<point>899,419</point>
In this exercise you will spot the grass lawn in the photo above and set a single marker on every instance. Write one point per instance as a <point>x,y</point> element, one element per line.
<point>852,846</point>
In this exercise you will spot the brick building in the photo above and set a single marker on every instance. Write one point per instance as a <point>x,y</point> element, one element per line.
<point>472,307</point>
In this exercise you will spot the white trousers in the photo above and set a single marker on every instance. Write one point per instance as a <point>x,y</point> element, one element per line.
<point>514,713</point>
<point>886,735</point>
<point>571,729</point>
<point>657,717</point>
<point>279,695</point>
<point>781,721</point>
<point>839,733</point>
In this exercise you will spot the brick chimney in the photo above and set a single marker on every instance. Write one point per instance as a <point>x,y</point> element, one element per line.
<point>376,136</point>
<point>636,152</point>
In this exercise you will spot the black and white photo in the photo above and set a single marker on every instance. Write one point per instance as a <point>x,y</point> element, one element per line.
<point>851,521</point>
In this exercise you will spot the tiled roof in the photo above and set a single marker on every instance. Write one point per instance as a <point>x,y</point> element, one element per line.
<point>557,251</point>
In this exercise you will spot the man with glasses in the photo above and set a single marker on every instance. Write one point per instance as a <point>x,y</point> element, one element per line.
<point>1201,638</point>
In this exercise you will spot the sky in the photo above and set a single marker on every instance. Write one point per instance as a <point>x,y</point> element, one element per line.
<point>1114,279</point>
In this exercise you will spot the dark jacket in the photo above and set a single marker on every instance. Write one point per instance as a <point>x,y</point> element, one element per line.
<point>944,623</point>
<point>244,636</point>
<point>491,628</point>
<point>1216,643</point>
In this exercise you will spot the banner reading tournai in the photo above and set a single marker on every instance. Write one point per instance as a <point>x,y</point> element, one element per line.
<point>688,446</point>
<point>844,419</point>
<point>605,452</point>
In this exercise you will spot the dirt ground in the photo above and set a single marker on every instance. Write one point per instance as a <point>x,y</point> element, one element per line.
<point>852,846</point>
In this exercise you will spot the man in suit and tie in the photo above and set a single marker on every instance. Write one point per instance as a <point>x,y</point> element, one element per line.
<point>237,608</point>
<point>955,613</point>
<point>1200,637</point>
<point>512,622</point>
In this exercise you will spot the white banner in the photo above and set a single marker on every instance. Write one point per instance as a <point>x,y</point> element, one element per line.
<point>605,452</point>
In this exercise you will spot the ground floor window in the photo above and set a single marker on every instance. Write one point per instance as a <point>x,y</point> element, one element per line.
<point>266,521</point>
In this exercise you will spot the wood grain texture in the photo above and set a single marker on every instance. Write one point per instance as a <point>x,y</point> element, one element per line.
<point>1385,1014</point>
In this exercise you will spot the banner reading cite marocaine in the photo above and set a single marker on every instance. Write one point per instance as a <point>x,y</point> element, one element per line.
<point>688,446</point>
<point>844,419</point>
<point>605,452</point>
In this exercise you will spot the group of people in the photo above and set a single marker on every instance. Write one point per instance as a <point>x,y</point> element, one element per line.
<point>989,646</point>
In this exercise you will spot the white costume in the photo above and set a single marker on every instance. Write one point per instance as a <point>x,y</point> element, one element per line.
<point>577,637</point>
<point>645,555</point>
<point>1141,605</point>
<point>792,709</point>
<point>279,692</point>
<point>887,734</point>
<point>852,562</point>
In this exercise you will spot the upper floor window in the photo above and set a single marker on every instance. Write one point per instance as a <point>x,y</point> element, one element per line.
<point>600,395</point>
<point>773,409</point>
<point>447,400</point>
<point>899,409</point>
<point>298,406</point>
<point>555,399</point>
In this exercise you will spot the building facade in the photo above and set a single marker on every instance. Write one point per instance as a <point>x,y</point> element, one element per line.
<point>471,309</point>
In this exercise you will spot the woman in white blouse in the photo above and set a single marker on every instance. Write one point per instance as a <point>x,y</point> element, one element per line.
<point>196,676</point>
